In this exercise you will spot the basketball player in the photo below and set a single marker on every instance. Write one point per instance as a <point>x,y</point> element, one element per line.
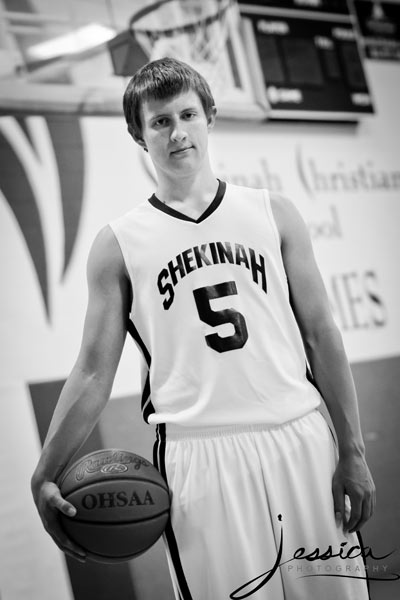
<point>219,288</point>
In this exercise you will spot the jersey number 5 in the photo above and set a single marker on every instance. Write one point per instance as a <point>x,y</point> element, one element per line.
<point>212,317</point>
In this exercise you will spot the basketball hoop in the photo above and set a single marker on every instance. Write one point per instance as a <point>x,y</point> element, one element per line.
<point>196,33</point>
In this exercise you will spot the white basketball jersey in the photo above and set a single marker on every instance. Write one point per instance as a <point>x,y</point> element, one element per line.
<point>211,313</point>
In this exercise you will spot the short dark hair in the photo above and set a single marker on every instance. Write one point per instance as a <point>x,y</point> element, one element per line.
<point>159,80</point>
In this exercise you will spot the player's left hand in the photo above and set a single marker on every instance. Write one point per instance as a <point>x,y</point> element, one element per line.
<point>353,478</point>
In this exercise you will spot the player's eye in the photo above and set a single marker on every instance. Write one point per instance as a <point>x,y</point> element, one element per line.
<point>161,122</point>
<point>189,115</point>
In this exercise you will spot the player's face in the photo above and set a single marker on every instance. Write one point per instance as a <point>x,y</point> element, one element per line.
<point>175,132</point>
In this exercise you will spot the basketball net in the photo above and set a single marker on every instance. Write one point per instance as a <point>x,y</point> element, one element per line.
<point>194,31</point>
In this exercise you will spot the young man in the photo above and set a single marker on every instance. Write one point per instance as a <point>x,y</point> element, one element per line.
<point>219,287</point>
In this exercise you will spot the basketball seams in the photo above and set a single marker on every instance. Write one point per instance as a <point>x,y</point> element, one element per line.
<point>99,478</point>
<point>114,559</point>
<point>119,480</point>
<point>165,511</point>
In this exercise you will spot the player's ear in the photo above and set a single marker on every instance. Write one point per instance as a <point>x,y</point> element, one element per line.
<point>211,117</point>
<point>139,140</point>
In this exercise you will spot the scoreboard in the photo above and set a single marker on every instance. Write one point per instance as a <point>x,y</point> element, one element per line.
<point>310,58</point>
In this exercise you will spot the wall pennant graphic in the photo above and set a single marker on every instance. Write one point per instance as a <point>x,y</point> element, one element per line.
<point>66,136</point>
<point>37,170</point>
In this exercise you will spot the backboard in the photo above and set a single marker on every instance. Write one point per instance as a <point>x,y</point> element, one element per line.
<point>91,80</point>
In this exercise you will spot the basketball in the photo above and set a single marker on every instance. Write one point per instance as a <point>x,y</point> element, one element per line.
<point>122,504</point>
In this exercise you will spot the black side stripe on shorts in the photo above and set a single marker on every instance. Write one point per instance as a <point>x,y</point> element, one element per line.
<point>361,544</point>
<point>146,404</point>
<point>159,463</point>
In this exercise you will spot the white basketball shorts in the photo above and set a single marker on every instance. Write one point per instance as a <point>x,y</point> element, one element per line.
<point>252,514</point>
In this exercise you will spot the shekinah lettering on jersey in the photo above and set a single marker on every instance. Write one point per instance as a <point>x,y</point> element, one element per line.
<point>211,253</point>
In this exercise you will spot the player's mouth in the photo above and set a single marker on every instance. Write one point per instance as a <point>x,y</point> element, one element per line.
<point>181,151</point>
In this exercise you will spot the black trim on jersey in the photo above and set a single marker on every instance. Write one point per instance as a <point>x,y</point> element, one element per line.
<point>159,463</point>
<point>136,336</point>
<point>156,202</point>
<point>310,376</point>
<point>146,404</point>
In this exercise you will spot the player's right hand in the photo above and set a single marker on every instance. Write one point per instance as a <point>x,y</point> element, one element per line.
<point>50,503</point>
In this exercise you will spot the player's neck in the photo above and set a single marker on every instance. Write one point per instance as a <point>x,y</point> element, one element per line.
<point>190,194</point>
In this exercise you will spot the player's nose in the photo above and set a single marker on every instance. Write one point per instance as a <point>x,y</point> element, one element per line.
<point>178,132</point>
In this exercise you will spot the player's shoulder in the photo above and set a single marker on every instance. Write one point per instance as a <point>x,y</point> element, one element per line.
<point>104,240</point>
<point>280,203</point>
<point>105,255</point>
<point>243,198</point>
<point>283,209</point>
<point>288,218</point>
<point>242,191</point>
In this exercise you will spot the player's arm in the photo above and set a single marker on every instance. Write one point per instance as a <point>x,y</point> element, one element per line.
<point>88,387</point>
<point>329,365</point>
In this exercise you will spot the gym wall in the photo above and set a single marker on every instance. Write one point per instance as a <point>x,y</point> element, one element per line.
<point>64,178</point>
